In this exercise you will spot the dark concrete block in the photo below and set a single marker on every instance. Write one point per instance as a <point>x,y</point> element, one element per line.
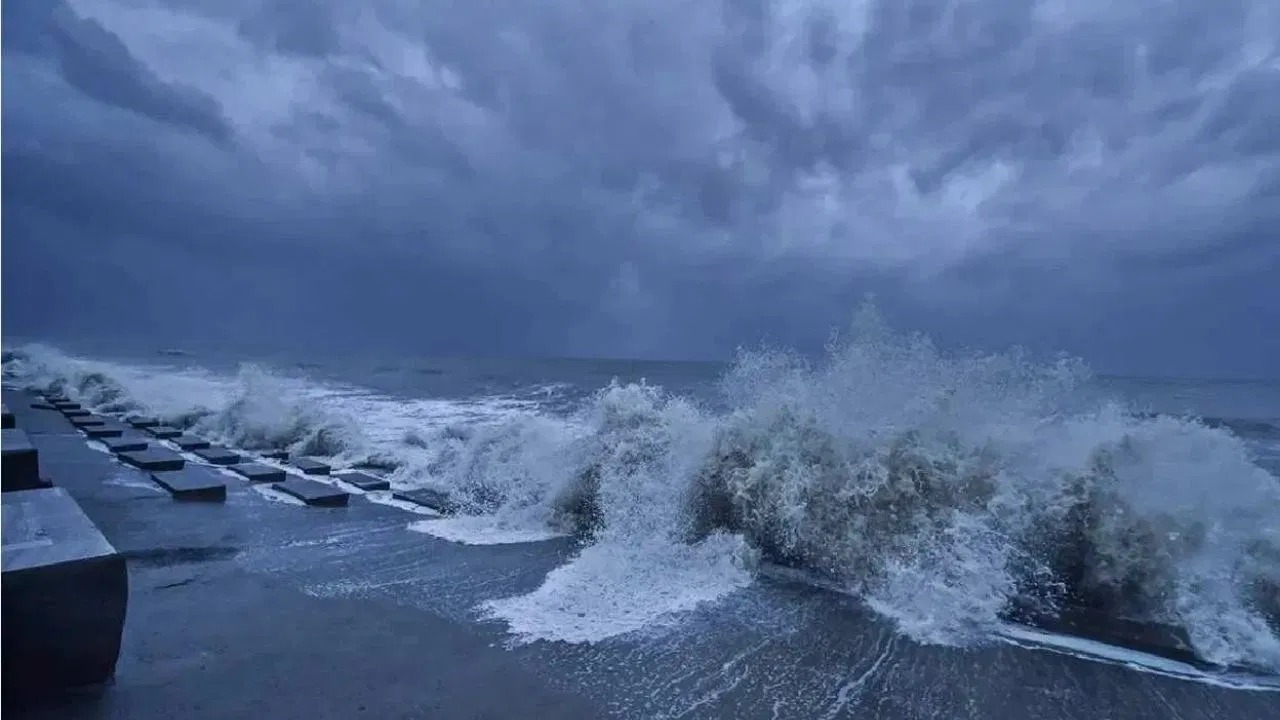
<point>313,493</point>
<point>190,442</point>
<point>122,444</point>
<point>365,481</point>
<point>65,405</point>
<point>259,473</point>
<point>164,432</point>
<point>154,459</point>
<point>109,430</point>
<point>192,483</point>
<point>83,421</point>
<point>310,467</point>
<point>433,498</point>
<point>73,414</point>
<point>21,462</point>
<point>6,418</point>
<point>54,398</point>
<point>42,406</point>
<point>216,455</point>
<point>280,455</point>
<point>65,592</point>
<point>141,421</point>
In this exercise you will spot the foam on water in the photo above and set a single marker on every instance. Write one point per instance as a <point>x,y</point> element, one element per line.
<point>274,495</point>
<point>484,530</point>
<point>949,492</point>
<point>258,408</point>
<point>613,588</point>
<point>131,480</point>
<point>385,498</point>
<point>1026,637</point>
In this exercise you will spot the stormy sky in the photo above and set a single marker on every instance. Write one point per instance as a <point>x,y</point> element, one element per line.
<point>647,178</point>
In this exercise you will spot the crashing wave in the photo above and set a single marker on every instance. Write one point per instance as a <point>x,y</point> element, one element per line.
<point>950,492</point>
<point>255,409</point>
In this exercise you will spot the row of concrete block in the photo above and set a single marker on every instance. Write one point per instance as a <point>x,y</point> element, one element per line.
<point>65,586</point>
<point>136,442</point>
<point>169,469</point>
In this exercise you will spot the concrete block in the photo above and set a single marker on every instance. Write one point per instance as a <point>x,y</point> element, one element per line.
<point>53,398</point>
<point>122,444</point>
<point>21,462</point>
<point>153,459</point>
<point>433,498</point>
<point>190,442</point>
<point>313,493</point>
<point>310,467</point>
<point>192,483</point>
<point>65,594</point>
<point>164,432</point>
<point>256,472</point>
<point>6,418</point>
<point>42,406</point>
<point>73,414</point>
<point>65,405</point>
<point>365,481</point>
<point>83,421</point>
<point>280,455</point>
<point>142,421</point>
<point>216,455</point>
<point>109,430</point>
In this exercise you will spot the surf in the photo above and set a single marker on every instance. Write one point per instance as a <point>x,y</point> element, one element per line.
<point>952,493</point>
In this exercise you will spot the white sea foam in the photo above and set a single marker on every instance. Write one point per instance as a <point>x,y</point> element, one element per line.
<point>274,495</point>
<point>1026,637</point>
<point>385,498</point>
<point>611,589</point>
<point>132,480</point>
<point>484,530</point>
<point>259,409</point>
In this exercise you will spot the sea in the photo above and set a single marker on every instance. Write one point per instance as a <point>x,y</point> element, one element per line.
<point>962,498</point>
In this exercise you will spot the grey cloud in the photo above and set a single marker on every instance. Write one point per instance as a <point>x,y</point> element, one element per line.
<point>289,27</point>
<point>354,89</point>
<point>99,65</point>
<point>656,178</point>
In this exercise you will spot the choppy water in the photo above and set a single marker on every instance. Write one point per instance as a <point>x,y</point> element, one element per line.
<point>948,492</point>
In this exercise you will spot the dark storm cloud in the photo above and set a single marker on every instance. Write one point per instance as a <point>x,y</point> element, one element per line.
<point>656,178</point>
<point>95,62</point>
<point>289,27</point>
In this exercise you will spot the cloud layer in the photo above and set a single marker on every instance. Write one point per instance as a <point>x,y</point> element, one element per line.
<point>651,177</point>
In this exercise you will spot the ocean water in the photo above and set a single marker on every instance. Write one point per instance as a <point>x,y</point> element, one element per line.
<point>948,492</point>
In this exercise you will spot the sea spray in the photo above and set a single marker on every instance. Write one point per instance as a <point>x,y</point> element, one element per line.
<point>947,490</point>
<point>273,413</point>
<point>254,409</point>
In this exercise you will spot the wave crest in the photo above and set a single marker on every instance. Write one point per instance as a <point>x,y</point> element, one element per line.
<point>254,409</point>
<point>950,491</point>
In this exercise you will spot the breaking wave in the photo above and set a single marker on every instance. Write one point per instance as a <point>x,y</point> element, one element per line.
<point>950,492</point>
<point>255,409</point>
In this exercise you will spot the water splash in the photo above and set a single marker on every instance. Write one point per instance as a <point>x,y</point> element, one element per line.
<point>949,491</point>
